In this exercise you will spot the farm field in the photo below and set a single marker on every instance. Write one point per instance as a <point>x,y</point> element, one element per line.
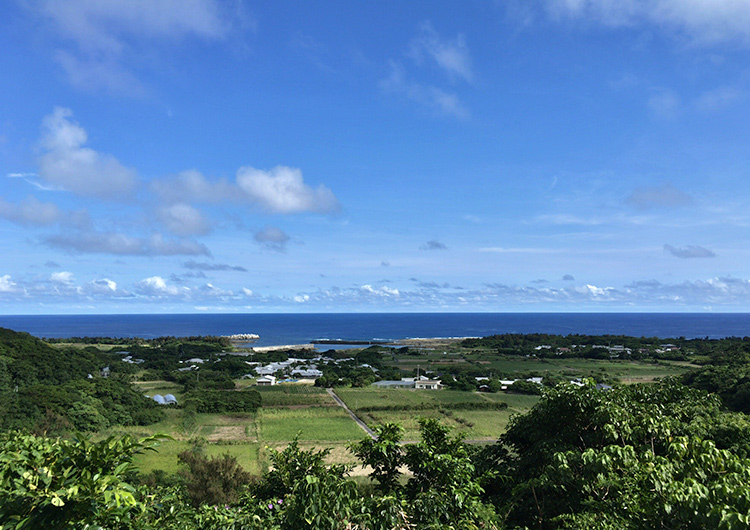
<point>515,366</point>
<point>453,408</point>
<point>294,409</point>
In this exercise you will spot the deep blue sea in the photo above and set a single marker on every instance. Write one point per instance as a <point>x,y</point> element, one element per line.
<point>301,328</point>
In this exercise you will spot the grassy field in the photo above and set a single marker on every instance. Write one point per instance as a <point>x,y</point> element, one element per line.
<point>294,395</point>
<point>312,424</point>
<point>369,405</point>
<point>516,366</point>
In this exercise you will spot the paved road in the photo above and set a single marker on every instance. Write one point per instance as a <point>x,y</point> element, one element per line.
<point>359,422</point>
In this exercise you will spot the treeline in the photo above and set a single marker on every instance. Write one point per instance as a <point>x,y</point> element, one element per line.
<point>217,401</point>
<point>596,346</point>
<point>224,342</point>
<point>43,389</point>
<point>641,456</point>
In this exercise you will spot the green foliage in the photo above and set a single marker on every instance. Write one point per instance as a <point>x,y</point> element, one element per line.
<point>51,483</point>
<point>222,401</point>
<point>526,387</point>
<point>213,480</point>
<point>444,489</point>
<point>384,454</point>
<point>639,454</point>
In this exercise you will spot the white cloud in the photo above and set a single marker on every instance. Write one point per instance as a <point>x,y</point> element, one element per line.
<point>105,285</point>
<point>7,285</point>
<point>691,251</point>
<point>62,277</point>
<point>156,286</point>
<point>452,56</point>
<point>123,244</point>
<point>282,190</point>
<point>93,74</point>
<point>183,220</point>
<point>79,169</point>
<point>273,237</point>
<point>193,185</point>
<point>703,21</point>
<point>380,291</point>
<point>30,212</point>
<point>427,95</point>
<point>101,38</point>
<point>247,292</point>
<point>300,299</point>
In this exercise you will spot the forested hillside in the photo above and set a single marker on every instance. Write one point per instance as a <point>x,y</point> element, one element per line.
<point>48,390</point>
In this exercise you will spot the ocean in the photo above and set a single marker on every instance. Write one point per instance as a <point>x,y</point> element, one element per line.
<point>299,328</point>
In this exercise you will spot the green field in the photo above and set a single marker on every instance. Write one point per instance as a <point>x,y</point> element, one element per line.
<point>371,405</point>
<point>294,409</point>
<point>312,424</point>
<point>294,395</point>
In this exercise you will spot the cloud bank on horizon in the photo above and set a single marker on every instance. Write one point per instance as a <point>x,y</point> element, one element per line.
<point>565,155</point>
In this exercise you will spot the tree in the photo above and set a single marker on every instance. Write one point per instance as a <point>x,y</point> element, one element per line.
<point>384,454</point>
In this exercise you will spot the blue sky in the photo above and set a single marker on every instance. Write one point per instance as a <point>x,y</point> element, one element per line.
<point>205,155</point>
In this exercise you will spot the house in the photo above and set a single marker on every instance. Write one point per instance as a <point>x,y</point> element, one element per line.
<point>428,384</point>
<point>266,380</point>
<point>307,373</point>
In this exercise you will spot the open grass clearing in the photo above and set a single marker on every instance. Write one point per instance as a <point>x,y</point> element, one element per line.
<point>165,455</point>
<point>313,424</point>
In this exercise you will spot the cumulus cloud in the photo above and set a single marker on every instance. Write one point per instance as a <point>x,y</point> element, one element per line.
<point>663,196</point>
<point>282,190</point>
<point>690,251</point>
<point>452,56</point>
<point>63,277</point>
<point>156,286</point>
<point>184,220</point>
<point>69,165</point>
<point>211,291</point>
<point>30,212</point>
<point>194,265</point>
<point>103,286</point>
<point>7,285</point>
<point>434,245</point>
<point>123,244</point>
<point>703,21</point>
<point>272,237</point>
<point>192,185</point>
<point>383,290</point>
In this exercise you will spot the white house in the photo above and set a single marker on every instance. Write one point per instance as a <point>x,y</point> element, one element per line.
<point>428,384</point>
<point>266,380</point>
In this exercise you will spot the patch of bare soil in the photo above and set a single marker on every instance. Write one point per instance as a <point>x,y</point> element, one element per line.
<point>228,432</point>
